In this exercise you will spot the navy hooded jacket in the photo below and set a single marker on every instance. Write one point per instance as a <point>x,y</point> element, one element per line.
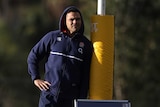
<point>68,60</point>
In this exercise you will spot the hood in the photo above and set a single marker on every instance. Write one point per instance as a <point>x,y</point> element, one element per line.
<point>62,21</point>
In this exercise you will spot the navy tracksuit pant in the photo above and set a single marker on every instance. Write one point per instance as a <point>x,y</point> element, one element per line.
<point>49,100</point>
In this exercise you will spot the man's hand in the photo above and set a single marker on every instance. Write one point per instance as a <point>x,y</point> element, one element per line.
<point>42,85</point>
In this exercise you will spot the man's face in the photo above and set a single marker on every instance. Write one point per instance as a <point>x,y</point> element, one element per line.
<point>73,21</point>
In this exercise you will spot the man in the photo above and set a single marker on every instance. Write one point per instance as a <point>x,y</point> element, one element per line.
<point>67,66</point>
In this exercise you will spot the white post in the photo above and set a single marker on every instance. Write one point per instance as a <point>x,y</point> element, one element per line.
<point>101,7</point>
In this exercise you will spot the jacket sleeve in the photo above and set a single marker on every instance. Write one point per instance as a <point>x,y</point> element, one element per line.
<point>37,53</point>
<point>86,72</point>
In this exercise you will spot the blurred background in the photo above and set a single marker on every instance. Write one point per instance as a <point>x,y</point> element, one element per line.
<point>137,47</point>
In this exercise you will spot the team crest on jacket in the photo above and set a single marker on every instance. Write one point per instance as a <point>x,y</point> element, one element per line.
<point>81,44</point>
<point>80,49</point>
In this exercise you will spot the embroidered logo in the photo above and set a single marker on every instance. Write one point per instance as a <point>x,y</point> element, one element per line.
<point>59,38</point>
<point>80,49</point>
<point>81,44</point>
